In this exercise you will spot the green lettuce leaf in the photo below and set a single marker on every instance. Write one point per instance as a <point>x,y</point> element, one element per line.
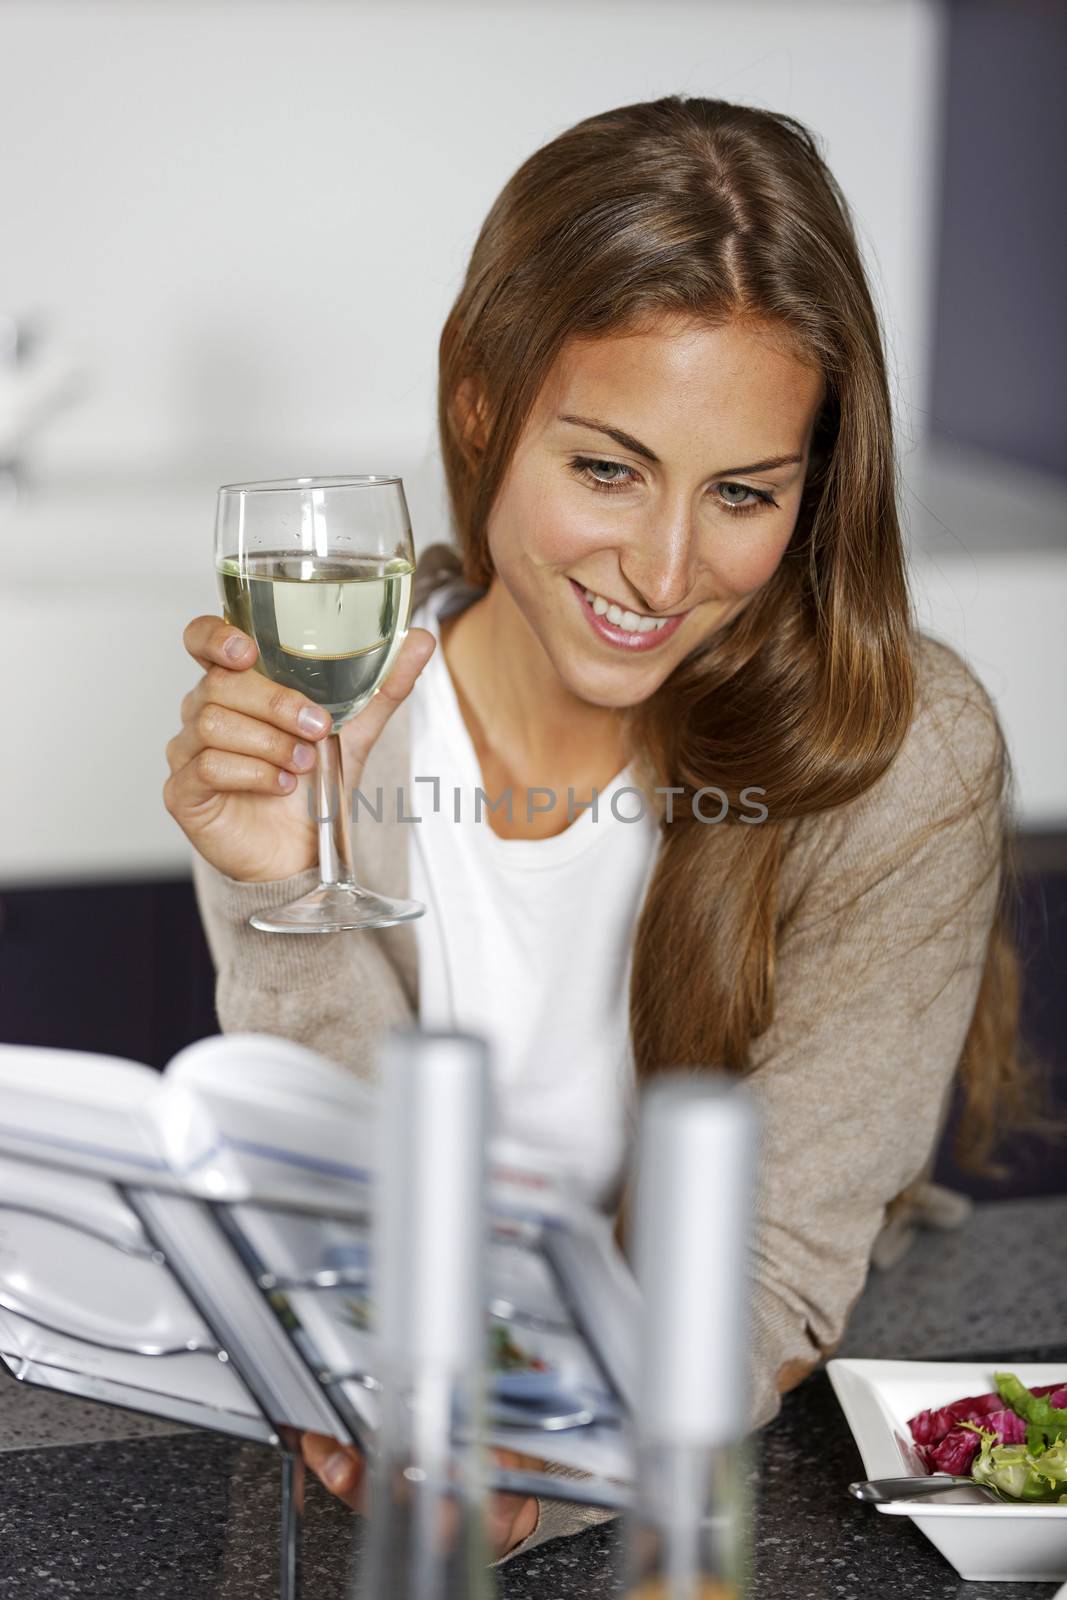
<point>1015,1470</point>
<point>1046,1423</point>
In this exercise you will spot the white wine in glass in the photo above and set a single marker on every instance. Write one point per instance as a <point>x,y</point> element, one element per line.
<point>319,572</point>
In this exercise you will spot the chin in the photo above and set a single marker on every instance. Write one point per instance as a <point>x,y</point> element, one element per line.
<point>612,690</point>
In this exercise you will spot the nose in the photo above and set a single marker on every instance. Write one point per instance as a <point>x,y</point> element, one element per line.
<point>659,564</point>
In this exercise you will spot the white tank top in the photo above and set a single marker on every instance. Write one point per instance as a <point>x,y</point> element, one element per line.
<point>528,941</point>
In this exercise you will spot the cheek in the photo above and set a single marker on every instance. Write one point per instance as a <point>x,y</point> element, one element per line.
<point>564,538</point>
<point>743,560</point>
<point>546,525</point>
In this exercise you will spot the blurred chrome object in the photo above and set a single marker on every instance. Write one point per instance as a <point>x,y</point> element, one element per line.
<point>426,1538</point>
<point>695,1206</point>
<point>37,377</point>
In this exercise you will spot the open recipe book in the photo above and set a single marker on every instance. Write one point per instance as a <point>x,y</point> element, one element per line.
<point>196,1244</point>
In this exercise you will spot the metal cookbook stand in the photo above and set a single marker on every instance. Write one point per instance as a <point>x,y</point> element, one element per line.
<point>196,1245</point>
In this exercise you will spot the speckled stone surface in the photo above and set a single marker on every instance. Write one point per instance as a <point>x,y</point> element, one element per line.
<point>960,1291</point>
<point>32,1417</point>
<point>192,1516</point>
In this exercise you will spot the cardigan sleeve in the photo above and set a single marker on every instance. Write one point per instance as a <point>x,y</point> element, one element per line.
<point>558,1519</point>
<point>879,963</point>
<point>337,993</point>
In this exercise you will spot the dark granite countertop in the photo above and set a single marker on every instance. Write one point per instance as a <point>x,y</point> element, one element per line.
<point>96,1502</point>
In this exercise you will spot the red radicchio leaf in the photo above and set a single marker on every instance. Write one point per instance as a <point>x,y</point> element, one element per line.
<point>930,1427</point>
<point>1008,1426</point>
<point>955,1452</point>
<point>943,1446</point>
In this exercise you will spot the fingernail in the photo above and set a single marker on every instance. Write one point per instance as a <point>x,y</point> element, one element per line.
<point>336,1471</point>
<point>235,646</point>
<point>309,720</point>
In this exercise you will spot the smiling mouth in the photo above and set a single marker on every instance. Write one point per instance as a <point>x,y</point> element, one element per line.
<point>633,633</point>
<point>622,615</point>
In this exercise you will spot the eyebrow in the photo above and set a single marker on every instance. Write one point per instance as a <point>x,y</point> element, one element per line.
<point>627,442</point>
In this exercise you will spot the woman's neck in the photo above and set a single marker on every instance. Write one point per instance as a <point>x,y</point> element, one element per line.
<point>526,726</point>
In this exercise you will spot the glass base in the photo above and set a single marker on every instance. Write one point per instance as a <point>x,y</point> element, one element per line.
<point>335,907</point>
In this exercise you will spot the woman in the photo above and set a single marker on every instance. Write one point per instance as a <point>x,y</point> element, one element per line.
<point>667,437</point>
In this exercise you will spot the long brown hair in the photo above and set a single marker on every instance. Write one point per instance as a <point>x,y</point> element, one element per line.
<point>697,208</point>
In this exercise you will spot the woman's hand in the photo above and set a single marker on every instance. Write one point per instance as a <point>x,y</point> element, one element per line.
<point>240,733</point>
<point>510,1519</point>
<point>339,1466</point>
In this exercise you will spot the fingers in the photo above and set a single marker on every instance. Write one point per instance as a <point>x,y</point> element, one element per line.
<point>240,731</point>
<point>217,727</point>
<point>216,772</point>
<point>243,733</point>
<point>340,1467</point>
<point>510,1519</point>
<point>210,640</point>
<point>229,684</point>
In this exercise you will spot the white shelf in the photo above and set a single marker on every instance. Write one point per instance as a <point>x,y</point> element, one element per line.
<point>988,557</point>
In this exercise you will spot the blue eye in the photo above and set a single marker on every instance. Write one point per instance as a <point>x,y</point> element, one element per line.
<point>586,464</point>
<point>588,469</point>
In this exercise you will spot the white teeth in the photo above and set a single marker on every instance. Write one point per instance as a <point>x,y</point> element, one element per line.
<point>622,619</point>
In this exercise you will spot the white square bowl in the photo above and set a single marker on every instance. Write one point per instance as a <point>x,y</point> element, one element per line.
<point>981,1539</point>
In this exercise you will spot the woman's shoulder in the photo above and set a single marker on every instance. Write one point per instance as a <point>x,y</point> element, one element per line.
<point>953,757</point>
<point>954,716</point>
<point>953,745</point>
<point>948,778</point>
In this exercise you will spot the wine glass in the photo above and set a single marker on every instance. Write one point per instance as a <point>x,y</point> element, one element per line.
<point>319,571</point>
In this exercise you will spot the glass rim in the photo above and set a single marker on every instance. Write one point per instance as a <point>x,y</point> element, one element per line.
<point>333,481</point>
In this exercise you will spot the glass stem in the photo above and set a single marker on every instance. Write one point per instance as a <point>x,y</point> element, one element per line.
<point>688,1527</point>
<point>331,813</point>
<point>427,1538</point>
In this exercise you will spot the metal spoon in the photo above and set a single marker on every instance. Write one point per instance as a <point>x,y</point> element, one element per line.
<point>519,1416</point>
<point>881,1490</point>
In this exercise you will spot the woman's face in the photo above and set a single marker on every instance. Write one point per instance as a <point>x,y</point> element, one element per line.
<point>683,516</point>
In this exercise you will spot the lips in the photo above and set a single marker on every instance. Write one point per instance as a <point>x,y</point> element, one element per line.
<point>620,637</point>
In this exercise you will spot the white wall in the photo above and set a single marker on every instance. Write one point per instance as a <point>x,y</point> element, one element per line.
<point>254,216</point>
